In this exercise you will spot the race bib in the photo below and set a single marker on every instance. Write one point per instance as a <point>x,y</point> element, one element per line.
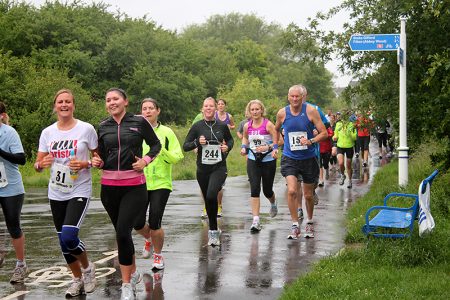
<point>61,179</point>
<point>211,154</point>
<point>294,140</point>
<point>256,141</point>
<point>3,178</point>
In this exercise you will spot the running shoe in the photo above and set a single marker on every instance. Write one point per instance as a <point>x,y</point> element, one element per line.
<point>300,214</point>
<point>204,213</point>
<point>89,279</point>
<point>158,261</point>
<point>380,157</point>
<point>295,233</point>
<point>321,184</point>
<point>127,292</point>
<point>76,288</point>
<point>214,238</point>
<point>219,211</point>
<point>309,230</point>
<point>147,249</point>
<point>273,209</point>
<point>256,227</point>
<point>349,184</point>
<point>19,274</point>
<point>136,277</point>
<point>316,198</point>
<point>342,180</point>
<point>364,164</point>
<point>357,155</point>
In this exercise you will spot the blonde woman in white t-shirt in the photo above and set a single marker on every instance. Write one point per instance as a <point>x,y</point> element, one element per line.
<point>65,147</point>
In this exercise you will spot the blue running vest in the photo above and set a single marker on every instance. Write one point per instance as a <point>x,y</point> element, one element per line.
<point>299,123</point>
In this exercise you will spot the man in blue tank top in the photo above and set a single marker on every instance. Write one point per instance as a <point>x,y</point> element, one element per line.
<point>299,119</point>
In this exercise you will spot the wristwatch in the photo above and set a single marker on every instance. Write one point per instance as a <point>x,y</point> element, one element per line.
<point>312,141</point>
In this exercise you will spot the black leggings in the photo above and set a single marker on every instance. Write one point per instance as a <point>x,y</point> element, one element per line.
<point>382,139</point>
<point>12,207</point>
<point>126,207</point>
<point>158,200</point>
<point>211,183</point>
<point>261,170</point>
<point>67,217</point>
<point>324,160</point>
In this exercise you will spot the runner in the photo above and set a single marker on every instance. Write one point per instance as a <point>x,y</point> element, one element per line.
<point>12,191</point>
<point>123,188</point>
<point>364,125</point>
<point>222,115</point>
<point>159,180</point>
<point>215,141</point>
<point>325,154</point>
<point>64,147</point>
<point>345,135</point>
<point>299,155</point>
<point>257,141</point>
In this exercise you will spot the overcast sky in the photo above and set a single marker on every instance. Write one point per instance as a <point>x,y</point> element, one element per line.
<point>177,14</point>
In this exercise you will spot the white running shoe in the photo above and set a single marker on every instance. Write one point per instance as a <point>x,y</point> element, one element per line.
<point>256,227</point>
<point>127,292</point>
<point>147,249</point>
<point>19,274</point>
<point>309,231</point>
<point>295,233</point>
<point>158,261</point>
<point>76,288</point>
<point>214,238</point>
<point>89,280</point>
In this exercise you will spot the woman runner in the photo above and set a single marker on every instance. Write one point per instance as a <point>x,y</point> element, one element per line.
<point>215,141</point>
<point>257,141</point>
<point>123,184</point>
<point>64,147</point>
<point>12,191</point>
<point>159,180</point>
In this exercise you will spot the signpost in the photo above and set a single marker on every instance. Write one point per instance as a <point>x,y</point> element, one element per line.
<point>374,42</point>
<point>391,42</point>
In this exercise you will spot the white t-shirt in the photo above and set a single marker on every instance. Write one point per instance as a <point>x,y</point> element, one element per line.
<point>80,139</point>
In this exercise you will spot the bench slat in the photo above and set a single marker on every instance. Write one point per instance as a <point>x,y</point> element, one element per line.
<point>392,219</point>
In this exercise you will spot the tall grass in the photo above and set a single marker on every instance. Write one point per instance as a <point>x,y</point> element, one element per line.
<point>412,268</point>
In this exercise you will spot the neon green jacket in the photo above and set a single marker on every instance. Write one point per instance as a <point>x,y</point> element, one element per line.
<point>159,172</point>
<point>345,134</point>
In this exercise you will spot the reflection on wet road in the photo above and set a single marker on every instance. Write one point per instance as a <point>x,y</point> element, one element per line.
<point>246,266</point>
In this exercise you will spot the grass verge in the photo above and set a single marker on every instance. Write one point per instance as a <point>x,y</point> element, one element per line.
<point>413,268</point>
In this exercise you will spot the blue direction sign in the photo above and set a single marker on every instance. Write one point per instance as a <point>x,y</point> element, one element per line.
<point>374,42</point>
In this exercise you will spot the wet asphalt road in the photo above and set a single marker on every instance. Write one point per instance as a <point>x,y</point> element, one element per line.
<point>246,266</point>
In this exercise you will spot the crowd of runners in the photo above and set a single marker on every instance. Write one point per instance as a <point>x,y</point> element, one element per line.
<point>136,154</point>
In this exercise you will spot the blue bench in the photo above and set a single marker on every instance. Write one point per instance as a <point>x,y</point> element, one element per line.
<point>395,222</point>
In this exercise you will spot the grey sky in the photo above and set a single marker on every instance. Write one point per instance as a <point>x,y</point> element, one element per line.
<point>177,14</point>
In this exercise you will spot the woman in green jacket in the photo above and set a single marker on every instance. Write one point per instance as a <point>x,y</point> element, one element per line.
<point>159,180</point>
<point>345,135</point>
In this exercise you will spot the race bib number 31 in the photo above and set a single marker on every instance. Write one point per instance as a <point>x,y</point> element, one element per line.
<point>211,154</point>
<point>60,178</point>
<point>294,140</point>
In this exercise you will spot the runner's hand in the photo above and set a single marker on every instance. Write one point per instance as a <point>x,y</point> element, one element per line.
<point>139,164</point>
<point>97,162</point>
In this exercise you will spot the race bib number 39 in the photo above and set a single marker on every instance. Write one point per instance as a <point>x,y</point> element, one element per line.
<point>3,179</point>
<point>294,140</point>
<point>211,154</point>
<point>60,178</point>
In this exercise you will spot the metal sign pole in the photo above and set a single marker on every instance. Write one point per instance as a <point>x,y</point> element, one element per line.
<point>403,147</point>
